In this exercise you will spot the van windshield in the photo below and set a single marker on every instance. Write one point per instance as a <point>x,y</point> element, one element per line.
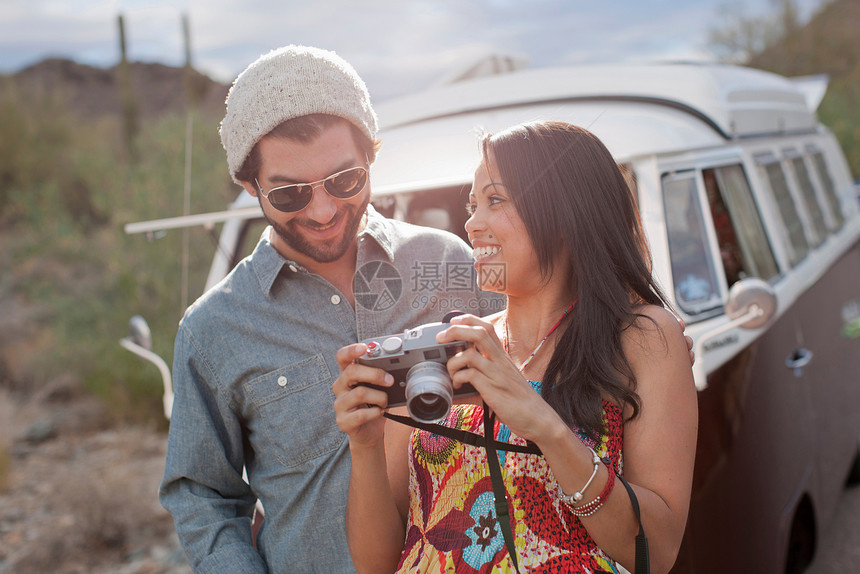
<point>695,281</point>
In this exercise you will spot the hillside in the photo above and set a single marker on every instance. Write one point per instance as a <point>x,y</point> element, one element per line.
<point>95,92</point>
<point>827,44</point>
<point>81,426</point>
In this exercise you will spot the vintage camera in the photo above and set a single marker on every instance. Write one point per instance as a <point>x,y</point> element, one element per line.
<point>417,363</point>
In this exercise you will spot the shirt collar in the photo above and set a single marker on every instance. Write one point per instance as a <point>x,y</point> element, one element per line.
<point>381,230</point>
<point>268,263</point>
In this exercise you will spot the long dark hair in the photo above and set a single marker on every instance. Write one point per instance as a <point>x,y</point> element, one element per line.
<point>571,194</point>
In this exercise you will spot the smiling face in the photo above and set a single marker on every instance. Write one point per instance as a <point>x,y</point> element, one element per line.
<point>325,231</point>
<point>504,257</point>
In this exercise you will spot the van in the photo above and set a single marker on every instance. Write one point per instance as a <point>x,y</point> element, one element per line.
<point>754,226</point>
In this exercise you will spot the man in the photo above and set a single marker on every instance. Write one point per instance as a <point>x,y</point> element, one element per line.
<point>255,356</point>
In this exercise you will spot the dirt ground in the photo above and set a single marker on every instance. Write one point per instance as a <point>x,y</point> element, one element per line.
<point>76,498</point>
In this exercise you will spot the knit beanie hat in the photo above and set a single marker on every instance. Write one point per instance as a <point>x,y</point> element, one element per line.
<point>287,83</point>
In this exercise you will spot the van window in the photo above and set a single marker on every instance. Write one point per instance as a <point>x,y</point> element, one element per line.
<point>820,168</point>
<point>442,208</point>
<point>693,273</point>
<point>807,195</point>
<point>744,246</point>
<point>792,228</point>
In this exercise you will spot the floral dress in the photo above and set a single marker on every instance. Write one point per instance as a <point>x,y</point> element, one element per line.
<point>452,527</point>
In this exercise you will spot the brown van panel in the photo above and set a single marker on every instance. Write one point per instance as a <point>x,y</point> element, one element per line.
<point>768,437</point>
<point>834,375</point>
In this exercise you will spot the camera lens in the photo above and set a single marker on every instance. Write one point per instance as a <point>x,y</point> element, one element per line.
<point>429,392</point>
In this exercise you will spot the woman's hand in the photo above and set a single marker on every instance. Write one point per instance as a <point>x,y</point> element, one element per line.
<point>502,386</point>
<point>359,408</point>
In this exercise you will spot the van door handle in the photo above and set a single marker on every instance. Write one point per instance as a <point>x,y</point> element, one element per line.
<point>797,360</point>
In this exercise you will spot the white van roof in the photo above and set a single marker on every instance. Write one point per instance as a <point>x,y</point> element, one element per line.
<point>429,139</point>
<point>738,101</point>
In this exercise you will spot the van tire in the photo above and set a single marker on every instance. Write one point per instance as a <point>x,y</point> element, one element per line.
<point>802,540</point>
<point>853,478</point>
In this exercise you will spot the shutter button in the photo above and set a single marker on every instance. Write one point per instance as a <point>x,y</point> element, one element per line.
<point>282,381</point>
<point>373,349</point>
<point>335,299</point>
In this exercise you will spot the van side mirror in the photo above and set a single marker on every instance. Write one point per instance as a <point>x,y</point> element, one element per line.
<point>139,332</point>
<point>139,342</point>
<point>751,304</point>
<point>753,300</point>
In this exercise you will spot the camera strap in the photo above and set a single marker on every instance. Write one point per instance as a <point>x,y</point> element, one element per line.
<point>465,436</point>
<point>500,493</point>
<point>492,446</point>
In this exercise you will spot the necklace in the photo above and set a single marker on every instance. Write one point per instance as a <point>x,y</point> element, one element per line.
<point>539,345</point>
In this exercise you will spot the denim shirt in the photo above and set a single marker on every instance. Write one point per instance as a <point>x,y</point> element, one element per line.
<point>253,370</point>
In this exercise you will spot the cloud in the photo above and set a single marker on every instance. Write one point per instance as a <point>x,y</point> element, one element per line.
<point>84,30</point>
<point>397,46</point>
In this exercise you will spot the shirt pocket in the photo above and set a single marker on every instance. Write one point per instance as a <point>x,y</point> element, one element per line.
<point>296,412</point>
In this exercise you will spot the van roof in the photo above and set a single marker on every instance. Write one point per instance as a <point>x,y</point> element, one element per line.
<point>734,100</point>
<point>429,138</point>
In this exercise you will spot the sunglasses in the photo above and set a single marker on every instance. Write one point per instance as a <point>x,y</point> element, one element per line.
<point>291,198</point>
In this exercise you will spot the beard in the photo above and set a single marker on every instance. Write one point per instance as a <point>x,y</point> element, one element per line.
<point>325,252</point>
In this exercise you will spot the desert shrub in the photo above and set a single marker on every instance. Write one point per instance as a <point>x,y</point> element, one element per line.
<point>66,191</point>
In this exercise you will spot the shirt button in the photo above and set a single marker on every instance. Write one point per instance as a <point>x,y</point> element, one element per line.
<point>335,299</point>
<point>282,381</point>
<point>293,268</point>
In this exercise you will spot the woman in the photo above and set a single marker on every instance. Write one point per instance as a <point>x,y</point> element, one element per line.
<point>586,363</point>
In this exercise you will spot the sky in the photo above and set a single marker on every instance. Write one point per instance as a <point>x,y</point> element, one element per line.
<point>397,46</point>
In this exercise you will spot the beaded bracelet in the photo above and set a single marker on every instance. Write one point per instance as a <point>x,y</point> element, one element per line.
<point>572,499</point>
<point>591,507</point>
